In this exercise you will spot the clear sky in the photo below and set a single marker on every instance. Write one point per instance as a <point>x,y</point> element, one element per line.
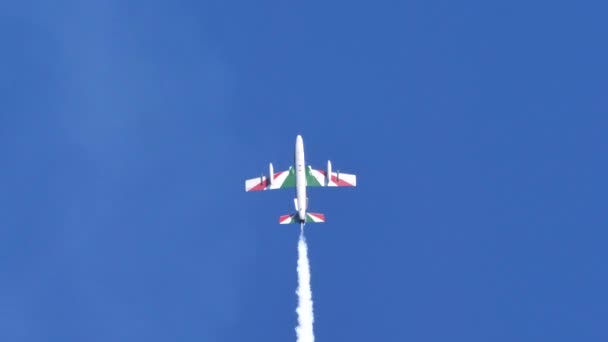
<point>477,130</point>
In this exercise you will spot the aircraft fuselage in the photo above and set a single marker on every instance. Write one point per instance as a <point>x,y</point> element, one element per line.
<point>300,166</point>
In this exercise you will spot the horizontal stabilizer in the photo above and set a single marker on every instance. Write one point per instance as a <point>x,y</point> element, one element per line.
<point>315,218</point>
<point>310,218</point>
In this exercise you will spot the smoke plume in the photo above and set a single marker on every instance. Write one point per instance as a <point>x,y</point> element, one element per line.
<point>305,316</point>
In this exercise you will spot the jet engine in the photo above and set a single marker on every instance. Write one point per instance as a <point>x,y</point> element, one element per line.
<point>328,176</point>
<point>271,172</point>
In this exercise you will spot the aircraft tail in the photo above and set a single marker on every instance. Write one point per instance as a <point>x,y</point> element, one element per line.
<point>310,218</point>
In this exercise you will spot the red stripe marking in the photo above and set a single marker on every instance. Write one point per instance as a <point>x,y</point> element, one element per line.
<point>319,216</point>
<point>285,217</point>
<point>340,182</point>
<point>261,185</point>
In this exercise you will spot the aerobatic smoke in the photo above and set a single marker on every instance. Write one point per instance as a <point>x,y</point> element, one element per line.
<point>304,310</point>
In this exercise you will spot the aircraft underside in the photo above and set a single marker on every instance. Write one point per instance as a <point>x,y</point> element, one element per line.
<point>300,176</point>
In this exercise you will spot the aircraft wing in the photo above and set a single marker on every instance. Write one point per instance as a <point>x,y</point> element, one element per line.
<point>319,178</point>
<point>281,180</point>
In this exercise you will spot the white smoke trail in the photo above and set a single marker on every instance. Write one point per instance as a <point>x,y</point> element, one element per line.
<point>304,310</point>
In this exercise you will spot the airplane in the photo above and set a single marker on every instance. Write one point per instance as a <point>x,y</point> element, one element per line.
<point>300,177</point>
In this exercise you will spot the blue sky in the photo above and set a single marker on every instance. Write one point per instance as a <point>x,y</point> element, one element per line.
<point>477,131</point>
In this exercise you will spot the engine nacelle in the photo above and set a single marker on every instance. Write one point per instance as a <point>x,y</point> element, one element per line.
<point>271,173</point>
<point>328,176</point>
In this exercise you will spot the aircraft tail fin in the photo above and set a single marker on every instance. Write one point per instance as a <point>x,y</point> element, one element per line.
<point>310,218</point>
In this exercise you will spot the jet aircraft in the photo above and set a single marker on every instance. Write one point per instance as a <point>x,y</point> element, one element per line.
<point>300,176</point>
